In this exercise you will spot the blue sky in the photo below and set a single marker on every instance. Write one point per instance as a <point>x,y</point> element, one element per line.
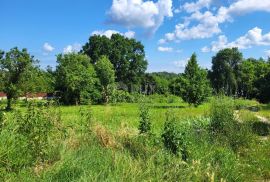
<point>171,30</point>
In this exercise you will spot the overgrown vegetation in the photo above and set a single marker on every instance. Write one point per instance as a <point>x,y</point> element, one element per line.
<point>48,143</point>
<point>147,131</point>
<point>29,138</point>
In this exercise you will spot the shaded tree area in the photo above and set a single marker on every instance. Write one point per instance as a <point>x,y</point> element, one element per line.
<point>106,74</point>
<point>106,65</point>
<point>157,83</point>
<point>76,79</point>
<point>233,75</point>
<point>18,68</point>
<point>193,85</point>
<point>126,55</point>
<point>225,72</point>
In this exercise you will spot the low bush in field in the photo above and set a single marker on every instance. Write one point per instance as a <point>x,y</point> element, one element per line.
<point>225,125</point>
<point>121,96</point>
<point>177,135</point>
<point>145,123</point>
<point>214,147</point>
<point>30,138</point>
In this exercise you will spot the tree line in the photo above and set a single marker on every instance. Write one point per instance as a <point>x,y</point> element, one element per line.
<point>105,66</point>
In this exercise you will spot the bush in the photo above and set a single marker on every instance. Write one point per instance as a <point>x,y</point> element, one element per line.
<point>119,96</point>
<point>145,123</point>
<point>222,115</point>
<point>225,127</point>
<point>26,139</point>
<point>175,137</point>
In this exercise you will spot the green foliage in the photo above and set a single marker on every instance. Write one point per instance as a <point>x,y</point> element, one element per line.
<point>157,83</point>
<point>174,137</point>
<point>106,75</point>
<point>127,56</point>
<point>194,86</point>
<point>222,115</point>
<point>15,69</point>
<point>225,75</point>
<point>225,127</point>
<point>254,79</point>
<point>145,122</point>
<point>26,139</point>
<point>86,119</point>
<point>263,87</point>
<point>76,79</point>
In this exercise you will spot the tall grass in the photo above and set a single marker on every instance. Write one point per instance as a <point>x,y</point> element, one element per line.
<point>102,143</point>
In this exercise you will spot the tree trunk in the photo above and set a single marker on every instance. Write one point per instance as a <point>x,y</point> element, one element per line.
<point>9,99</point>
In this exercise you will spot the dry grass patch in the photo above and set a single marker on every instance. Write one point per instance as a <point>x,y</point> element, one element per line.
<point>105,137</point>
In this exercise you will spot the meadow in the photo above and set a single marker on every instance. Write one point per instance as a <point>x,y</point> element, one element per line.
<point>103,142</point>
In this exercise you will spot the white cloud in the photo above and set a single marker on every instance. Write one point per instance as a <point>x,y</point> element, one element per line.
<point>205,49</point>
<point>253,37</point>
<point>195,6</point>
<point>177,10</point>
<point>129,34</point>
<point>267,53</point>
<point>109,33</point>
<point>139,13</point>
<point>76,47</point>
<point>47,47</point>
<point>165,49</point>
<point>246,6</point>
<point>181,63</point>
<point>204,25</point>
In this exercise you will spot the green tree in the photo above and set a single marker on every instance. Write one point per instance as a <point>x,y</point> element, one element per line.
<point>225,75</point>
<point>126,55</point>
<point>16,65</point>
<point>194,83</point>
<point>252,74</point>
<point>106,75</point>
<point>75,79</point>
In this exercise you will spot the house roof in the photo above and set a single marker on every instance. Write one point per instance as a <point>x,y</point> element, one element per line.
<point>2,94</point>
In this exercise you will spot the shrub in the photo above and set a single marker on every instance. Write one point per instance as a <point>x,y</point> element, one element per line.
<point>174,137</point>
<point>226,127</point>
<point>145,123</point>
<point>119,96</point>
<point>222,115</point>
<point>26,139</point>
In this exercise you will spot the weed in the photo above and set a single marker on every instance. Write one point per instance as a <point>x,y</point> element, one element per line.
<point>145,123</point>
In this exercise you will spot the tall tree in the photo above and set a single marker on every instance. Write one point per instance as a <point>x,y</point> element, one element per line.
<point>126,55</point>
<point>15,66</point>
<point>263,85</point>
<point>225,71</point>
<point>75,78</point>
<point>194,83</point>
<point>106,75</point>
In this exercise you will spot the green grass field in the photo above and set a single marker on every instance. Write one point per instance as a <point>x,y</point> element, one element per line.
<point>108,147</point>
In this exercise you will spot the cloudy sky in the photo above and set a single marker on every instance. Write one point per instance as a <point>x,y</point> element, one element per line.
<point>171,30</point>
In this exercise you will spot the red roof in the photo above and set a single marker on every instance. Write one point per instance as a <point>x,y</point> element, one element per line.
<point>2,94</point>
<point>33,95</point>
<point>29,95</point>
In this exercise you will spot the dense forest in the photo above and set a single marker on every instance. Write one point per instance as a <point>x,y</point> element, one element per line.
<point>114,69</point>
